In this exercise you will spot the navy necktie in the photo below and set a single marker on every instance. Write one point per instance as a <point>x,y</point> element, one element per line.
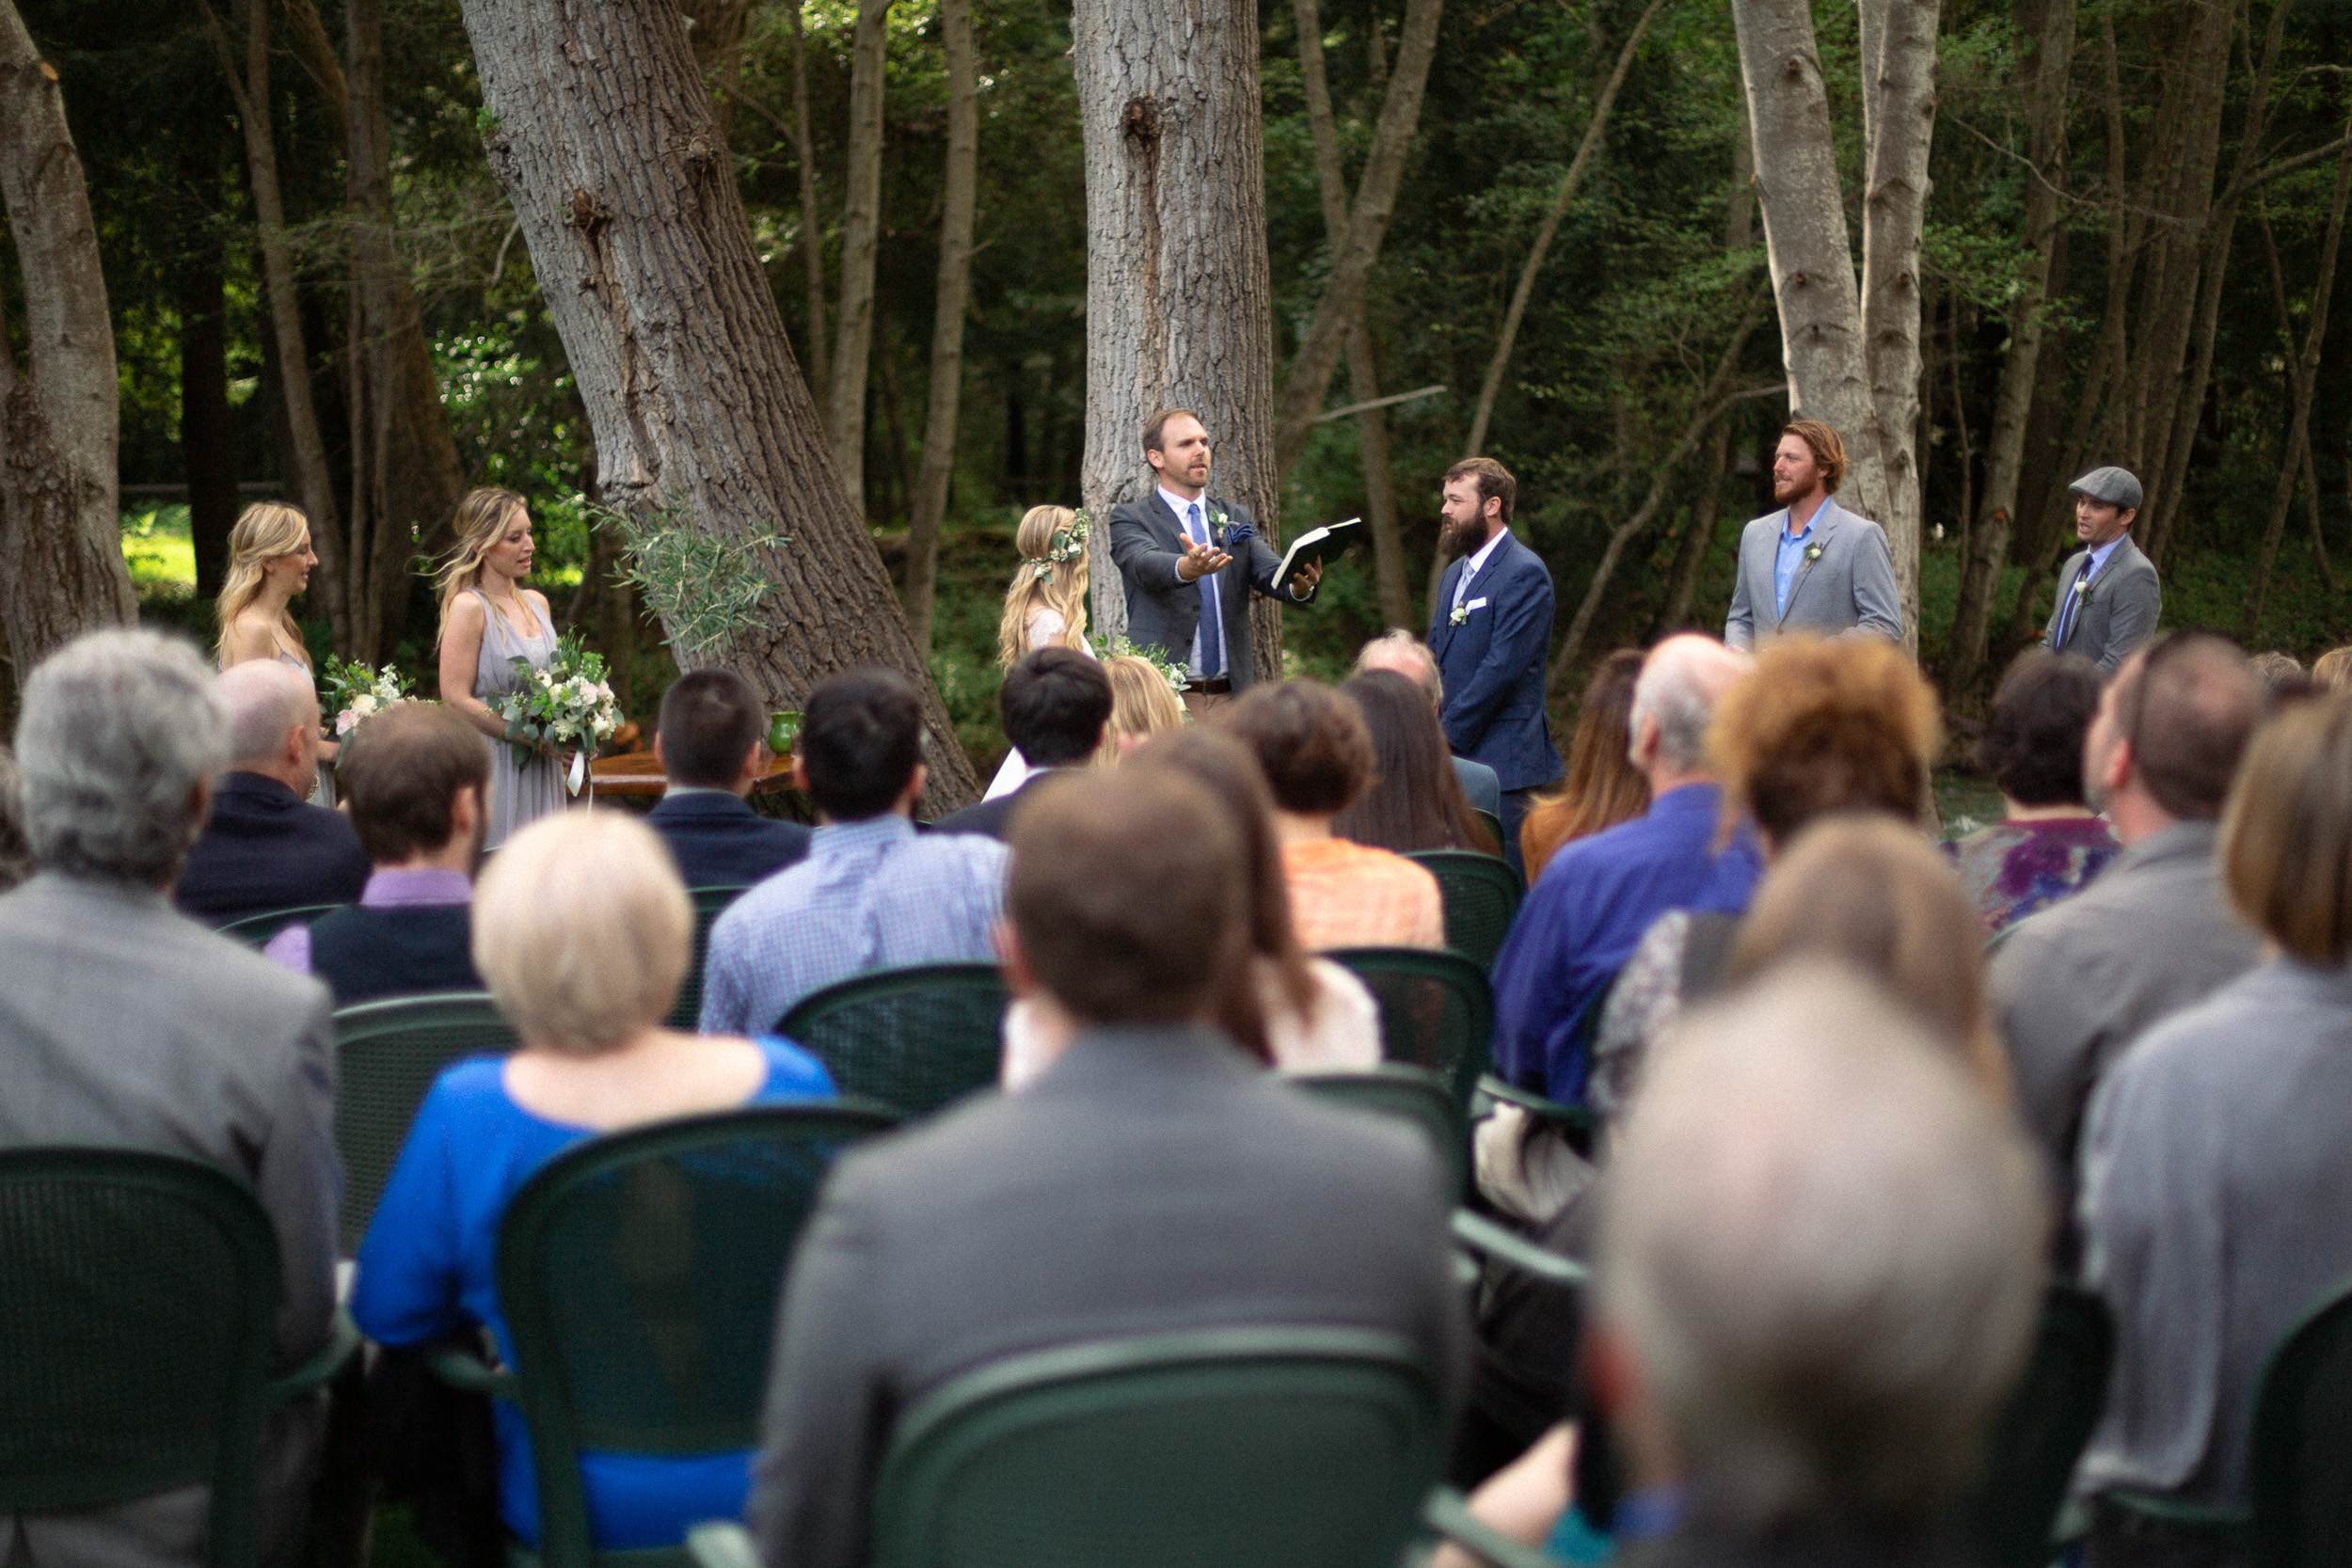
<point>1212,621</point>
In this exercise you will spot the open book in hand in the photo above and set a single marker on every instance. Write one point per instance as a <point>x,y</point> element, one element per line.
<point>1324,544</point>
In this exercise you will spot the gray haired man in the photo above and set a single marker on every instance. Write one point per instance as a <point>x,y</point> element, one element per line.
<point>125,1024</point>
<point>2109,596</point>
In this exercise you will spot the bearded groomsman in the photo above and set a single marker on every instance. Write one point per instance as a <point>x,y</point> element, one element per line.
<point>2109,596</point>
<point>1813,565</point>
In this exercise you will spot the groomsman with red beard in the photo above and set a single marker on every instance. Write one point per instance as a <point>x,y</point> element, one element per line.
<point>1813,565</point>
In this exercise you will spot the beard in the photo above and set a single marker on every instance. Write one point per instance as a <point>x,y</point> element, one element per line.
<point>1458,539</point>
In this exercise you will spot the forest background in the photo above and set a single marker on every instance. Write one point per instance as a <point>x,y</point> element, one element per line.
<point>2191,198</point>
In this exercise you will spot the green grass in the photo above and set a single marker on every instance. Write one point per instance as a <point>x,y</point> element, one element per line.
<point>156,547</point>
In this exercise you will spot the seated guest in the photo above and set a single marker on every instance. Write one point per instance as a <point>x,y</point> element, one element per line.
<point>2049,842</point>
<point>1315,752</point>
<point>1152,1179</point>
<point>1603,787</point>
<point>870,895</point>
<point>1825,725</point>
<point>1054,702</point>
<point>2332,670</point>
<point>265,847</point>
<point>712,746</point>
<point>2075,985</point>
<point>415,778</point>
<point>1142,705</point>
<point>1800,1335</point>
<point>2216,1175</point>
<point>2282,675</point>
<point>126,1025</point>
<point>1415,803</point>
<point>1400,652</point>
<point>583,936</point>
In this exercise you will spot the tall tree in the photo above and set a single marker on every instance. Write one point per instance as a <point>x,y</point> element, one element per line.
<point>603,136</point>
<point>812,228</point>
<point>61,570</point>
<point>1179,305</point>
<point>861,227</point>
<point>207,422</point>
<point>955,287</point>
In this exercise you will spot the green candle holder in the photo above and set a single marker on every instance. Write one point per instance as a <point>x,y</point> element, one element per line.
<point>784,729</point>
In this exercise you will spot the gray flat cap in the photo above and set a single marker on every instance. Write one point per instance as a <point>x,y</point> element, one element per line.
<point>2116,486</point>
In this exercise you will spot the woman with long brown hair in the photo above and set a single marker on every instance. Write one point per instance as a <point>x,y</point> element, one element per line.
<point>1416,801</point>
<point>269,563</point>
<point>1603,788</point>
<point>488,620</point>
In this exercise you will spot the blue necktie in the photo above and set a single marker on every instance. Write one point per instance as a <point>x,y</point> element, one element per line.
<point>1212,622</point>
<point>2074,603</point>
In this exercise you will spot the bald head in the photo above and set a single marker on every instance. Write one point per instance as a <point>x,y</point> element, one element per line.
<point>268,704</point>
<point>1674,701</point>
<point>2173,725</point>
<point>1402,653</point>
<point>1821,1246</point>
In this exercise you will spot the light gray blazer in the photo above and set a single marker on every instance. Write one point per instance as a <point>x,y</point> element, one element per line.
<point>1154,1180</point>
<point>1851,583</point>
<point>2119,612</point>
<point>126,1024</point>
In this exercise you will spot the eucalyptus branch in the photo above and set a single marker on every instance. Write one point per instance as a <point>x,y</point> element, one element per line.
<point>706,591</point>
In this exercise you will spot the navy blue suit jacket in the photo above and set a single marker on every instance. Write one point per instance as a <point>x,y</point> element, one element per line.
<point>1493,665</point>
<point>264,847</point>
<point>718,841</point>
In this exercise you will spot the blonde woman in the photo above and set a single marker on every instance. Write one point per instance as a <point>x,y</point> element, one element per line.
<point>1044,608</point>
<point>1143,704</point>
<point>488,620</point>
<point>269,563</point>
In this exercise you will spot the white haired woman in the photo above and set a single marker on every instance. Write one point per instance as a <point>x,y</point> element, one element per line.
<point>582,931</point>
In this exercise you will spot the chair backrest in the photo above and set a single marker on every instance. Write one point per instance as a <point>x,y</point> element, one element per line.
<point>1482,897</point>
<point>387,1055</point>
<point>1494,826</point>
<point>2041,1433</point>
<point>255,929</point>
<point>914,1039</point>
<point>1418,1095</point>
<point>639,1276</point>
<point>709,903</point>
<point>1437,1010</point>
<point>2301,1451</point>
<point>138,1296</point>
<point>1308,1446</point>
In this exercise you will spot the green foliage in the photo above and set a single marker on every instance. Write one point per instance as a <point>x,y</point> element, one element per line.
<point>708,591</point>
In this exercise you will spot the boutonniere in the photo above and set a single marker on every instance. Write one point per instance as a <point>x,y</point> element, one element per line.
<point>1233,534</point>
<point>2082,590</point>
<point>1812,554</point>
<point>1459,617</point>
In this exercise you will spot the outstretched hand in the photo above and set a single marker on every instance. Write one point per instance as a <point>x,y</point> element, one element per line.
<point>1199,561</point>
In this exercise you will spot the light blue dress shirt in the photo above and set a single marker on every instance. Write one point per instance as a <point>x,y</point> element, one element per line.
<point>1788,560</point>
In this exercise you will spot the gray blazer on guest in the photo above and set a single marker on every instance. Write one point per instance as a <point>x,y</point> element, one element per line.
<point>126,1024</point>
<point>2118,611</point>
<point>1850,584</point>
<point>1154,1180</point>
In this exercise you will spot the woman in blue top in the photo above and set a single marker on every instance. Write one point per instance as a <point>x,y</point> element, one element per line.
<point>581,931</point>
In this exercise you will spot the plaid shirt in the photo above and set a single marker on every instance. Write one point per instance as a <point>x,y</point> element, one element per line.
<point>871,894</point>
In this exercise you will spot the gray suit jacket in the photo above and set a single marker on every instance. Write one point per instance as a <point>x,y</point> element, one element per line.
<point>1850,584</point>
<point>2119,608</point>
<point>1152,1179</point>
<point>1163,612</point>
<point>1480,783</point>
<point>126,1024</point>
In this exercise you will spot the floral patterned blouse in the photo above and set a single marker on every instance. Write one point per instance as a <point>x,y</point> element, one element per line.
<point>2012,869</point>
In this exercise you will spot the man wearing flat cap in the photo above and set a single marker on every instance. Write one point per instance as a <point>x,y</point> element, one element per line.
<point>2107,594</point>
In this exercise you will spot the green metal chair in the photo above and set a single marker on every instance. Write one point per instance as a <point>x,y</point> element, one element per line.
<point>1494,826</point>
<point>914,1039</point>
<point>387,1055</point>
<point>138,1299</point>
<point>1482,897</point>
<point>709,903</point>
<point>1301,1447</point>
<point>1416,1094</point>
<point>2041,1433</point>
<point>255,930</point>
<point>639,1274</point>
<point>1437,1010</point>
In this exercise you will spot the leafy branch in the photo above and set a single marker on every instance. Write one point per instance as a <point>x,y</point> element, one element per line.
<point>706,590</point>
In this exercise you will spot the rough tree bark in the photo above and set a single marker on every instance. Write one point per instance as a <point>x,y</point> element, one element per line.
<point>812,227</point>
<point>1356,247</point>
<point>860,225</point>
<point>603,136</point>
<point>61,571</point>
<point>1179,307</point>
<point>948,313</point>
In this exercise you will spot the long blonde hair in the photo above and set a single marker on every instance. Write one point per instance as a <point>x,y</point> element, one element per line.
<point>480,519</point>
<point>264,532</point>
<point>1060,585</point>
<point>1142,703</point>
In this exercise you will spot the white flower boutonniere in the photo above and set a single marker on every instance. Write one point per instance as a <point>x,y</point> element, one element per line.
<point>2082,590</point>
<point>1812,554</point>
<point>1459,617</point>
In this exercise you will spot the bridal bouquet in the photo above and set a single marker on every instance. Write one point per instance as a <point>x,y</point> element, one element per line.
<point>359,692</point>
<point>565,704</point>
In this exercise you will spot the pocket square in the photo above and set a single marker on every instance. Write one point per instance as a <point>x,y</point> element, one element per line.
<point>1475,604</point>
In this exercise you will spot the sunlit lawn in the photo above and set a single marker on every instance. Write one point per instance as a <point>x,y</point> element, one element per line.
<point>156,546</point>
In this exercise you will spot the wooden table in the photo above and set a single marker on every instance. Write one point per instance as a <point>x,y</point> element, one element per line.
<point>638,775</point>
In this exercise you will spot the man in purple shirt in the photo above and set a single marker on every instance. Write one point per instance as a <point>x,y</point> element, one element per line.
<point>414,776</point>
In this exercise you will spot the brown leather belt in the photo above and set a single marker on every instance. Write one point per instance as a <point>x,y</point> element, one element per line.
<point>1217,688</point>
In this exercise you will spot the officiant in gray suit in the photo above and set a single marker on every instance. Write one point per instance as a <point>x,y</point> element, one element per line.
<point>1813,565</point>
<point>2109,596</point>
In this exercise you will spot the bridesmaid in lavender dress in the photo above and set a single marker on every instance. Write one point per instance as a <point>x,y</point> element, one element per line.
<point>488,620</point>
<point>269,563</point>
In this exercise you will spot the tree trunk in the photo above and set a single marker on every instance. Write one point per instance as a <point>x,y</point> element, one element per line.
<point>603,137</point>
<point>1179,305</point>
<point>861,223</point>
<point>1356,247</point>
<point>715,29</point>
<point>812,227</point>
<point>61,570</point>
<point>2045,93</point>
<point>207,426</point>
<point>1698,538</point>
<point>1899,125</point>
<point>948,313</point>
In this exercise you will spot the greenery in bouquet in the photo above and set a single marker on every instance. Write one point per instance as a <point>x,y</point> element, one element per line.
<point>1171,671</point>
<point>566,706</point>
<point>354,691</point>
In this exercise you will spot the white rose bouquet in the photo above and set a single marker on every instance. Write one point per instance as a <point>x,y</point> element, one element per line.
<point>567,704</point>
<point>357,691</point>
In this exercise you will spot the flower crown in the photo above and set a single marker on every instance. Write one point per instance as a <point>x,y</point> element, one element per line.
<point>1068,544</point>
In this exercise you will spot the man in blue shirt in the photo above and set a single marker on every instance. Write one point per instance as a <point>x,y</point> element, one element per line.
<point>870,895</point>
<point>1599,894</point>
